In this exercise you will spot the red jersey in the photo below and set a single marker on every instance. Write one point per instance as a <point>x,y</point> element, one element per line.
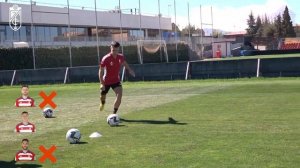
<point>24,102</point>
<point>112,66</point>
<point>25,155</point>
<point>22,128</point>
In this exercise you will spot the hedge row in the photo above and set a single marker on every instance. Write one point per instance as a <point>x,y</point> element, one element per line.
<point>21,58</point>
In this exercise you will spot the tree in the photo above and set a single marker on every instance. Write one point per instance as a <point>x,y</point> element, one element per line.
<point>175,27</point>
<point>259,27</point>
<point>269,30</point>
<point>217,33</point>
<point>251,30</point>
<point>297,30</point>
<point>278,26</point>
<point>192,29</point>
<point>266,21</point>
<point>287,24</point>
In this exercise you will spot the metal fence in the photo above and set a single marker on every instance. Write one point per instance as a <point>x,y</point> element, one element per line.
<point>276,67</point>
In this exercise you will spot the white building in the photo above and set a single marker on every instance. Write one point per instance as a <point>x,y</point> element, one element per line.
<point>50,26</point>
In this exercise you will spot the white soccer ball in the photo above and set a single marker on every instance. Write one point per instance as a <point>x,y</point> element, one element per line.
<point>113,120</point>
<point>73,136</point>
<point>47,112</point>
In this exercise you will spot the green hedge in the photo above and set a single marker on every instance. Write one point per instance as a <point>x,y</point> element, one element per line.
<point>21,58</point>
<point>11,59</point>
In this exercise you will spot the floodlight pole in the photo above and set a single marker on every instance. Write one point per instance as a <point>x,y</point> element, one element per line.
<point>201,33</point>
<point>121,29</point>
<point>159,15</point>
<point>175,30</point>
<point>97,36</point>
<point>140,50</point>
<point>212,29</point>
<point>32,39</point>
<point>69,30</point>
<point>140,18</point>
<point>188,5</point>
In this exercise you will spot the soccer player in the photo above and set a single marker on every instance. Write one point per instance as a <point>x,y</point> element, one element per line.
<point>24,100</point>
<point>25,126</point>
<point>25,154</point>
<point>111,64</point>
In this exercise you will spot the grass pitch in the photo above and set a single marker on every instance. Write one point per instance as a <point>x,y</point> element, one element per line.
<point>197,123</point>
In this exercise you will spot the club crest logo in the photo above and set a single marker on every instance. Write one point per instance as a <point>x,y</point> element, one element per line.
<point>15,13</point>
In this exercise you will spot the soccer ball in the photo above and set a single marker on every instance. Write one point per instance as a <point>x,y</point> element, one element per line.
<point>73,136</point>
<point>47,112</point>
<point>113,120</point>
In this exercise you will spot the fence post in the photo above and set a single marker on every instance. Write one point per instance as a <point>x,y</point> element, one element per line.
<point>66,75</point>
<point>258,67</point>
<point>187,70</point>
<point>123,73</point>
<point>13,78</point>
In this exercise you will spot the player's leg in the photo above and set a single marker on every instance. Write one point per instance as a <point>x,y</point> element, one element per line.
<point>103,97</point>
<point>118,91</point>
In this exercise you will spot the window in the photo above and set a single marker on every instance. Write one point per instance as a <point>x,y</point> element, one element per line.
<point>23,33</point>
<point>16,35</point>
<point>47,34</point>
<point>28,33</point>
<point>136,33</point>
<point>40,33</point>
<point>2,33</point>
<point>53,32</point>
<point>8,33</point>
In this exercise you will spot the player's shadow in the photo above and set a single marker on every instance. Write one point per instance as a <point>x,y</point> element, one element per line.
<point>79,143</point>
<point>14,164</point>
<point>50,117</point>
<point>169,121</point>
<point>119,125</point>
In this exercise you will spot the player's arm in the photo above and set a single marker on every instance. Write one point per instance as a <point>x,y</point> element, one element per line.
<point>128,69</point>
<point>101,73</point>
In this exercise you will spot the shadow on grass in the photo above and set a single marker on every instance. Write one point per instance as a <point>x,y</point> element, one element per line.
<point>120,125</point>
<point>50,117</point>
<point>79,143</point>
<point>169,121</point>
<point>14,164</point>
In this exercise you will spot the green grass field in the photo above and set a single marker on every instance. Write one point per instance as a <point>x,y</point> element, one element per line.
<point>219,123</point>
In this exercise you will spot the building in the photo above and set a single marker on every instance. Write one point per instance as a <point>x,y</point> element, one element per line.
<point>50,26</point>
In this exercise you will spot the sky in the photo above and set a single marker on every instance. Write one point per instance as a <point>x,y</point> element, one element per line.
<point>228,15</point>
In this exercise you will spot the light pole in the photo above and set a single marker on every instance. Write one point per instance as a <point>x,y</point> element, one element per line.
<point>175,30</point>
<point>121,29</point>
<point>140,14</point>
<point>160,38</point>
<point>32,38</point>
<point>97,36</point>
<point>169,5</point>
<point>69,30</point>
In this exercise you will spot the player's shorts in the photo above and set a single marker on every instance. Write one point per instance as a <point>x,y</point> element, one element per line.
<point>113,86</point>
